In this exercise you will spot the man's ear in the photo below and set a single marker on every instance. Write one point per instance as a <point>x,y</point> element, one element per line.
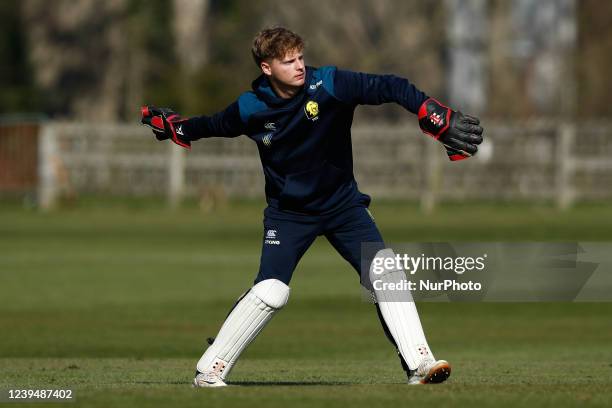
<point>265,68</point>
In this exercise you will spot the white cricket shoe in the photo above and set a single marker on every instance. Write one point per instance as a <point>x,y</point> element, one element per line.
<point>431,372</point>
<point>208,379</point>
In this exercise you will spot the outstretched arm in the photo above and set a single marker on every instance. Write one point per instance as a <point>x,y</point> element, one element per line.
<point>460,134</point>
<point>370,89</point>
<point>167,124</point>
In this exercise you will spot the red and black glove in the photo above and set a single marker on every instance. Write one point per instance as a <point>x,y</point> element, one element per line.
<point>166,124</point>
<point>460,134</point>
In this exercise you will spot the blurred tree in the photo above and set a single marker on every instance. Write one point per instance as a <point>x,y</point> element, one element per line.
<point>405,38</point>
<point>230,68</point>
<point>468,43</point>
<point>19,93</point>
<point>191,28</point>
<point>533,57</point>
<point>544,44</point>
<point>79,55</point>
<point>103,59</point>
<point>594,58</point>
<point>152,60</point>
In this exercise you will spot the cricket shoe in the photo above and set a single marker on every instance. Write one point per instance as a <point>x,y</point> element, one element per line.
<point>208,379</point>
<point>430,372</point>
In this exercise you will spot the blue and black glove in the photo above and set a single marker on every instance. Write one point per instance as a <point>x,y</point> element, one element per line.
<point>166,124</point>
<point>460,134</point>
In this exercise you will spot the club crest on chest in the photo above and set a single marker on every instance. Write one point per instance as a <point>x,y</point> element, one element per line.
<point>311,109</point>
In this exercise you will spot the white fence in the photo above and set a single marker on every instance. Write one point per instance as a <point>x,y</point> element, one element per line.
<point>533,160</point>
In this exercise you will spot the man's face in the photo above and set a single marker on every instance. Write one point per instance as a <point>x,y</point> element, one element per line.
<point>290,70</point>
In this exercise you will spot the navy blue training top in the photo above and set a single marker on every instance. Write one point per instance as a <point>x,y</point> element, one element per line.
<point>305,142</point>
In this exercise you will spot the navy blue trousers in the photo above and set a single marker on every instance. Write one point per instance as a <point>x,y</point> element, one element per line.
<point>287,237</point>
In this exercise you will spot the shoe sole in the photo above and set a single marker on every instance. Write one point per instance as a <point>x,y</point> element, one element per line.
<point>438,373</point>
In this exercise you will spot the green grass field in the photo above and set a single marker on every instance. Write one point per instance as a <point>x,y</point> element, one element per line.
<point>115,300</point>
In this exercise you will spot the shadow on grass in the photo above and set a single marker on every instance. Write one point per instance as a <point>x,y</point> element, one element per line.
<point>162,382</point>
<point>254,383</point>
<point>288,383</point>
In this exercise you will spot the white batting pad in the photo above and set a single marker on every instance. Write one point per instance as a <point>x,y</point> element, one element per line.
<point>243,324</point>
<point>398,310</point>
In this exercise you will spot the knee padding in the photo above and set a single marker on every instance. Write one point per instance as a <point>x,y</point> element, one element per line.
<point>272,292</point>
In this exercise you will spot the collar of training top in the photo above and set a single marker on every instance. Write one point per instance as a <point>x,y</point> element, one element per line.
<point>263,89</point>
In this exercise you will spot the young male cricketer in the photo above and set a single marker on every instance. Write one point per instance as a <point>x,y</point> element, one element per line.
<point>300,117</point>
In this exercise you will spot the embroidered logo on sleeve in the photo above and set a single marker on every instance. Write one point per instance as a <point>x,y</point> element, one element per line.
<point>267,140</point>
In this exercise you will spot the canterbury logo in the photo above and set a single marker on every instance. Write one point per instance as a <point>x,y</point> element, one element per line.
<point>179,130</point>
<point>271,237</point>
